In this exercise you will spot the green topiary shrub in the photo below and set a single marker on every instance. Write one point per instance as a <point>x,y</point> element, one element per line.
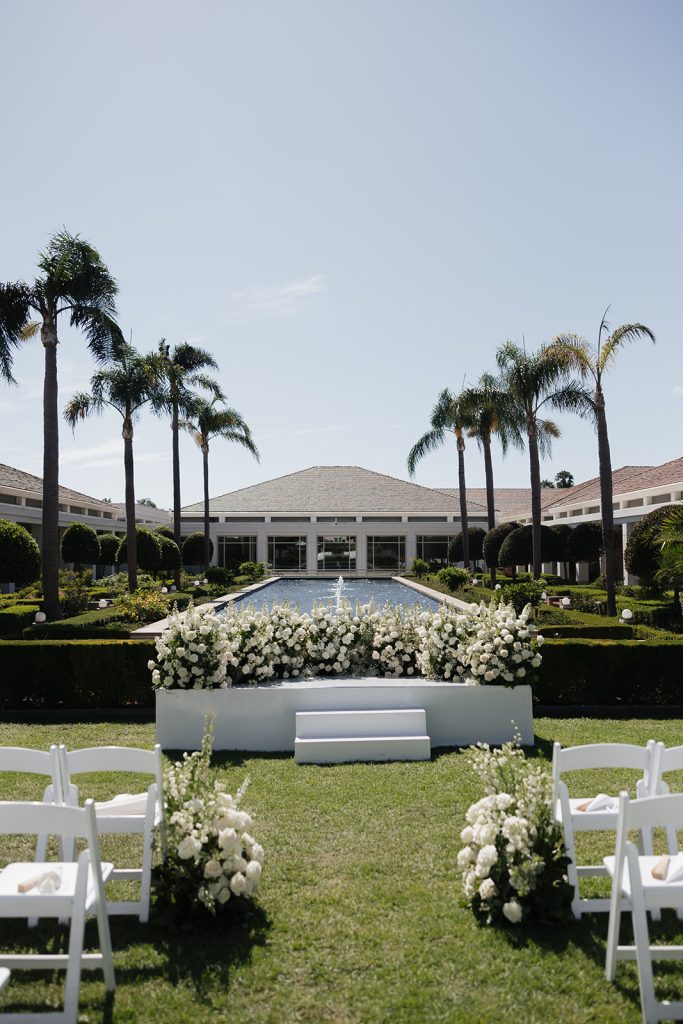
<point>642,555</point>
<point>522,594</point>
<point>149,550</point>
<point>493,542</point>
<point>516,549</point>
<point>19,555</point>
<point>193,549</point>
<point>165,531</point>
<point>452,577</point>
<point>419,568</point>
<point>475,540</point>
<point>216,574</point>
<point>109,547</point>
<point>584,543</point>
<point>80,546</point>
<point>170,553</point>
<point>252,570</point>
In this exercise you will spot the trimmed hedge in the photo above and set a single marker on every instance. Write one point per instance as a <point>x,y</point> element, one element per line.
<point>615,672</point>
<point>17,617</point>
<point>75,673</point>
<point>590,632</point>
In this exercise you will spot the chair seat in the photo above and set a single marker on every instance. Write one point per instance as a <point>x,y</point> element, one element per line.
<point>52,904</point>
<point>657,892</point>
<point>588,821</point>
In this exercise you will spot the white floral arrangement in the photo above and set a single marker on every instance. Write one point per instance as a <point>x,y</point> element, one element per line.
<point>485,644</point>
<point>513,861</point>
<point>191,652</point>
<point>210,857</point>
<point>502,647</point>
<point>396,641</point>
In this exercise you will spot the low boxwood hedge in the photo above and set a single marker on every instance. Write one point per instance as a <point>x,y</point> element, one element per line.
<point>608,631</point>
<point>75,673</point>
<point>14,618</point>
<point>582,671</point>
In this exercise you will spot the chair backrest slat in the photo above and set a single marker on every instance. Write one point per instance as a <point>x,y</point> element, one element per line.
<point>108,759</point>
<point>23,759</point>
<point>671,759</point>
<point>655,811</point>
<point>603,755</point>
<point>34,818</point>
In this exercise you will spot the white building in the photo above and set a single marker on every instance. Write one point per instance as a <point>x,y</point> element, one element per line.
<point>333,519</point>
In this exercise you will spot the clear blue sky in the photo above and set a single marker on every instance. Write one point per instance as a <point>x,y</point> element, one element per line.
<point>351,204</point>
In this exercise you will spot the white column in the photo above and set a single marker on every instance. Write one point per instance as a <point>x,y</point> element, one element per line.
<point>626,530</point>
<point>582,572</point>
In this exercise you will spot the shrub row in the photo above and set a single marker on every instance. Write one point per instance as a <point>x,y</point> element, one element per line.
<point>75,673</point>
<point>14,618</point>
<point>582,671</point>
<point>610,631</point>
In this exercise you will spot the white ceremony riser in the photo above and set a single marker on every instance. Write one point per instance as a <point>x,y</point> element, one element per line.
<point>263,717</point>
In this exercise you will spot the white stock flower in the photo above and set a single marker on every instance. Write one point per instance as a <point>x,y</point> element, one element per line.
<point>513,911</point>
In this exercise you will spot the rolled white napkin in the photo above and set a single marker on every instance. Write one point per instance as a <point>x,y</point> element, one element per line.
<point>601,802</point>
<point>675,869</point>
<point>124,803</point>
<point>45,882</point>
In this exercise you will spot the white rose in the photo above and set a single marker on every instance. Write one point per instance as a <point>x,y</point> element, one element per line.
<point>188,847</point>
<point>213,868</point>
<point>253,871</point>
<point>487,889</point>
<point>512,911</point>
<point>238,884</point>
<point>257,853</point>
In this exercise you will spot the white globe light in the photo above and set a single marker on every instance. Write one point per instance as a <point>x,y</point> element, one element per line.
<point>40,617</point>
<point>196,583</point>
<point>173,588</point>
<point>164,590</point>
<point>498,586</point>
<point>544,596</point>
<point>565,602</point>
<point>627,614</point>
<point>205,582</point>
<point>102,603</point>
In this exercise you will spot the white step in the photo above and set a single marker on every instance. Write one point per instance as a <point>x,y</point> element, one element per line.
<point>337,749</point>
<point>350,724</point>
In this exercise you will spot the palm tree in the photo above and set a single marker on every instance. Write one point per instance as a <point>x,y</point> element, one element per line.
<point>532,382</point>
<point>670,537</point>
<point>564,479</point>
<point>74,280</point>
<point>182,370</point>
<point>208,422</point>
<point>450,415</point>
<point>591,363</point>
<point>126,386</point>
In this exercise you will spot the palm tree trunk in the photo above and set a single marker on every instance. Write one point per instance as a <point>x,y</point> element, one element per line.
<point>207,539</point>
<point>463,503</point>
<point>490,494</point>
<point>175,431</point>
<point>535,480</point>
<point>50,545</point>
<point>131,536</point>
<point>606,499</point>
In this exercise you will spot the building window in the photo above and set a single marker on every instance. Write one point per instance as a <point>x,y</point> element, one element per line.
<point>232,551</point>
<point>287,553</point>
<point>434,550</point>
<point>9,499</point>
<point>427,519</point>
<point>336,553</point>
<point>386,553</point>
<point>382,519</point>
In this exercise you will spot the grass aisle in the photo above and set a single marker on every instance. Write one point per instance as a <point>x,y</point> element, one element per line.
<point>362,916</point>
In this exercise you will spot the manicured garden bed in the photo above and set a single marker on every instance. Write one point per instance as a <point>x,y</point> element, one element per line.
<point>361,918</point>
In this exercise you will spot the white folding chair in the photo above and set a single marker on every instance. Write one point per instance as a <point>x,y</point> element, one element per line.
<point>573,819</point>
<point>635,888</point>
<point>138,813</point>
<point>78,892</point>
<point>36,762</point>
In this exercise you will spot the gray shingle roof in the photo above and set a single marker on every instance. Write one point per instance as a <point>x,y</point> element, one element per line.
<point>18,479</point>
<point>334,489</point>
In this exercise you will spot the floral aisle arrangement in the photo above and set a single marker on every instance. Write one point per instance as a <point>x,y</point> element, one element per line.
<point>513,860</point>
<point>210,859</point>
<point>192,652</point>
<point>486,644</point>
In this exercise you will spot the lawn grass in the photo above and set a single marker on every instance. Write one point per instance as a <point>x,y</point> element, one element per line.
<point>361,919</point>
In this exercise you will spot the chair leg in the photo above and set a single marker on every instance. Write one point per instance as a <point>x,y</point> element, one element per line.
<point>146,880</point>
<point>73,970</point>
<point>572,875</point>
<point>613,930</point>
<point>648,1002</point>
<point>105,946</point>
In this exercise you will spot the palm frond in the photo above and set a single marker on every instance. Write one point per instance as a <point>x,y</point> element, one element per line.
<point>620,336</point>
<point>104,335</point>
<point>578,352</point>
<point>30,330</point>
<point>429,442</point>
<point>80,406</point>
<point>16,300</point>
